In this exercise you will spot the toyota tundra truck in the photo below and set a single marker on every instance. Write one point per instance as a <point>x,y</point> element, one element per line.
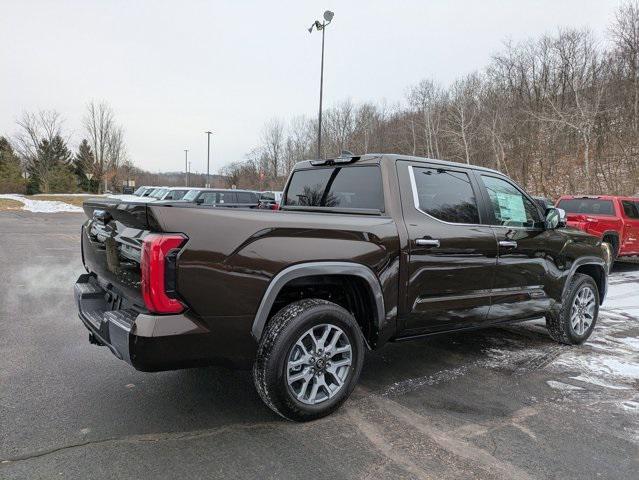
<point>614,219</point>
<point>364,250</point>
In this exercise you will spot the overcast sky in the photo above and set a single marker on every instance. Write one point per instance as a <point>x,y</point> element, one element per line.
<point>172,70</point>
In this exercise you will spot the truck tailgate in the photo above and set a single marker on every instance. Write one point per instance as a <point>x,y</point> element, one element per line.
<point>112,244</point>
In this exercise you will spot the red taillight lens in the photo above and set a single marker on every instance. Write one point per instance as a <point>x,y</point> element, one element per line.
<point>155,249</point>
<point>275,206</point>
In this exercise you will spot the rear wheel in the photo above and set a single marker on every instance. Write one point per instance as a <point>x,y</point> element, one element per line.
<point>576,319</point>
<point>613,245</point>
<point>309,359</point>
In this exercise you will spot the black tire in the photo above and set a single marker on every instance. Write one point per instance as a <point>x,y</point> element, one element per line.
<point>278,339</point>
<point>558,322</point>
<point>613,243</point>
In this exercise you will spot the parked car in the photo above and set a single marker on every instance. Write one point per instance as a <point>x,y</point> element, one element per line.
<point>174,193</point>
<point>270,200</point>
<point>544,203</point>
<point>222,198</point>
<point>150,191</point>
<point>613,219</point>
<point>365,250</point>
<point>140,191</point>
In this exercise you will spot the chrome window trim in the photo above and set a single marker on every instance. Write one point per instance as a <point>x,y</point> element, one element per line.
<point>413,184</point>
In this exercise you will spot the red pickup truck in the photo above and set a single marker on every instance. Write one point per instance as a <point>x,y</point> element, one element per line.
<point>614,219</point>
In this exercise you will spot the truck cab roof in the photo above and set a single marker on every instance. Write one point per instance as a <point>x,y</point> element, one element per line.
<point>378,158</point>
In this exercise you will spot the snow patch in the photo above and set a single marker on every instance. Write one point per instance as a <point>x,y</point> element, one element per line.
<point>594,380</point>
<point>561,385</point>
<point>42,206</point>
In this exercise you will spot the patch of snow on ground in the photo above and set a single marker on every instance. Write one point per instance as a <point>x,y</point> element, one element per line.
<point>66,194</point>
<point>561,385</point>
<point>42,206</point>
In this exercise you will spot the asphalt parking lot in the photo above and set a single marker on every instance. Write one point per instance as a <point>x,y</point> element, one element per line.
<point>501,403</point>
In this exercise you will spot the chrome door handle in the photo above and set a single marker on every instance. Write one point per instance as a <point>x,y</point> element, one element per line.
<point>424,242</point>
<point>508,243</point>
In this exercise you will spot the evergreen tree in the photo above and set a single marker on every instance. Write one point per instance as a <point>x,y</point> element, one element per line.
<point>83,163</point>
<point>11,180</point>
<point>49,156</point>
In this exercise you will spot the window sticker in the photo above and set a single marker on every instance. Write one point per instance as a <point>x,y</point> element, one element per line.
<point>511,207</point>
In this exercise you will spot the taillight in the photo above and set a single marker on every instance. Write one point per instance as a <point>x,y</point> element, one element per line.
<point>275,206</point>
<point>159,252</point>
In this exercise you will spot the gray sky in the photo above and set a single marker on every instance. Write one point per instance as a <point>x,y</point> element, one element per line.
<point>172,70</point>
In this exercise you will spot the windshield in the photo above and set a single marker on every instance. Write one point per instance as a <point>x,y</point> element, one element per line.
<point>177,194</point>
<point>190,196</point>
<point>160,193</point>
<point>589,206</point>
<point>139,191</point>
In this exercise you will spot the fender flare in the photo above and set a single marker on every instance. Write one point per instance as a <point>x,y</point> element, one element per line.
<point>613,233</point>
<point>580,262</point>
<point>311,269</point>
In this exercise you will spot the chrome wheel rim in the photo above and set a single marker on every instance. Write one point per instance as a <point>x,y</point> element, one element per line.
<point>582,313</point>
<point>319,364</point>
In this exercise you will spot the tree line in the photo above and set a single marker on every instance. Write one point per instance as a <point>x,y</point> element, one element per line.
<point>559,114</point>
<point>38,158</point>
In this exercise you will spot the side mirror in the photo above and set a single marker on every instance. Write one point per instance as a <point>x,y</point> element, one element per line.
<point>199,201</point>
<point>555,218</point>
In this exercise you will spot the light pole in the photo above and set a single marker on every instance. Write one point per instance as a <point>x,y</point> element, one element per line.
<point>186,167</point>
<point>321,26</point>
<point>208,157</point>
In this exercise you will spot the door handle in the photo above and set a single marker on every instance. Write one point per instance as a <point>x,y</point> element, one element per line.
<point>508,243</point>
<point>425,242</point>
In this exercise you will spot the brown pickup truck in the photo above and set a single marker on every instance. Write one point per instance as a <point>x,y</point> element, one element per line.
<point>364,250</point>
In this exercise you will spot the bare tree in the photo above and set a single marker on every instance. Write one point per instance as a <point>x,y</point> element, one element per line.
<point>34,130</point>
<point>106,138</point>
<point>579,83</point>
<point>272,147</point>
<point>429,100</point>
<point>462,113</point>
<point>625,34</point>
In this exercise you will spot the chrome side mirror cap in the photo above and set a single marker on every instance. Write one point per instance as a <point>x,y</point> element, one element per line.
<point>555,218</point>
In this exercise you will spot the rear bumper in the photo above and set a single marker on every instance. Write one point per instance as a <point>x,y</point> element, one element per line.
<point>156,342</point>
<point>111,328</point>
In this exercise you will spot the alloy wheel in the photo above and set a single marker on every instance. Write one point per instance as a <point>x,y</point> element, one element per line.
<point>319,364</point>
<point>582,313</point>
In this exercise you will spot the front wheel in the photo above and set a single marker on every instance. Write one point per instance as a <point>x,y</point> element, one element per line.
<point>309,359</point>
<point>576,319</point>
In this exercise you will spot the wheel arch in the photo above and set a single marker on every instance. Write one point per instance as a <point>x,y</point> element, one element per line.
<point>593,267</point>
<point>319,269</point>
<point>613,234</point>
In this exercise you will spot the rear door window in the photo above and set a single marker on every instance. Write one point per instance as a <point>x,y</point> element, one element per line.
<point>217,198</point>
<point>588,206</point>
<point>511,208</point>
<point>447,195</point>
<point>246,197</point>
<point>337,187</point>
<point>631,209</point>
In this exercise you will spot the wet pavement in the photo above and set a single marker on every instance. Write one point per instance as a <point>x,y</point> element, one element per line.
<point>499,403</point>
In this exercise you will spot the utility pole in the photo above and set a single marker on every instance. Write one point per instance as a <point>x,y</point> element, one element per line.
<point>186,167</point>
<point>328,17</point>
<point>208,158</point>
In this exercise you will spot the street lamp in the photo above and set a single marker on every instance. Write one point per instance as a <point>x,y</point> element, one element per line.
<point>208,158</point>
<point>186,167</point>
<point>321,26</point>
